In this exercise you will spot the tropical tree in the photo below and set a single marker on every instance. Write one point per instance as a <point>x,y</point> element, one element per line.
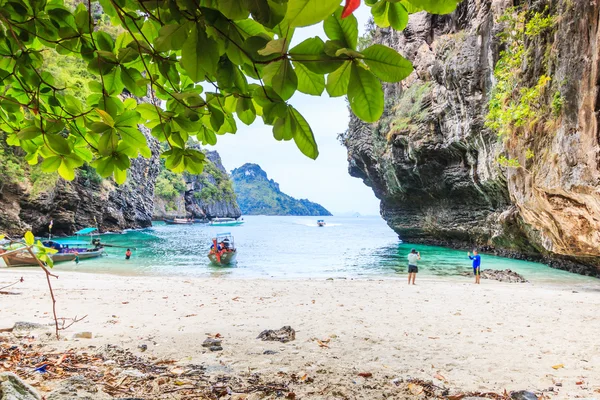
<point>202,65</point>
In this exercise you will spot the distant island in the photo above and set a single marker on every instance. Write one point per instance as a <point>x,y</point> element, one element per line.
<point>259,195</point>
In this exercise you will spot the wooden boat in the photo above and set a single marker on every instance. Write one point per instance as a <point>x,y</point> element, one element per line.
<point>321,223</point>
<point>66,250</point>
<point>225,222</point>
<point>200,221</point>
<point>223,251</point>
<point>179,221</point>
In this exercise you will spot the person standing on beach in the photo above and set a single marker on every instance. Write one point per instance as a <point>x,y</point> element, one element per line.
<point>413,269</point>
<point>476,264</point>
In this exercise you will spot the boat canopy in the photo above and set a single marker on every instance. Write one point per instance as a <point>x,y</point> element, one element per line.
<point>223,234</point>
<point>69,242</point>
<point>223,219</point>
<point>320,220</point>
<point>86,231</point>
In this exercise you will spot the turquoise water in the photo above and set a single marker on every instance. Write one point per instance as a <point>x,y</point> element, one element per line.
<point>294,247</point>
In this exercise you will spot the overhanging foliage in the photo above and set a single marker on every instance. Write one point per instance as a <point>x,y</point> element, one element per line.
<point>170,51</point>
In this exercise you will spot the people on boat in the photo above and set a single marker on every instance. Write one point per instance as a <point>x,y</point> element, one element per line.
<point>476,258</point>
<point>128,254</point>
<point>413,269</point>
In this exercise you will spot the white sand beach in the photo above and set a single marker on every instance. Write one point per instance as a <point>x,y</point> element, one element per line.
<point>490,337</point>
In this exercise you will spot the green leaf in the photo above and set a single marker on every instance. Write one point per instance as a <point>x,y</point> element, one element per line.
<point>282,78</point>
<point>51,164</point>
<point>29,238</point>
<point>108,143</point>
<point>171,37</point>
<point>345,30</point>
<point>308,81</point>
<point>106,117</point>
<point>245,110</point>
<point>311,53</point>
<point>338,80</point>
<point>104,166</point>
<point>436,6</point>
<point>285,128</point>
<point>309,12</point>
<point>66,171</point>
<point>120,175</point>
<point>58,144</point>
<point>397,16</point>
<point>129,77</point>
<point>386,63</point>
<point>233,9</point>
<point>411,8</point>
<point>365,93</point>
<point>104,41</point>
<point>200,55</point>
<point>29,133</point>
<point>276,46</point>
<point>303,135</point>
<point>380,13</point>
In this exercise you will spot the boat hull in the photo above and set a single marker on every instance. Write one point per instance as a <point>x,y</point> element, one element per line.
<point>226,258</point>
<point>236,223</point>
<point>26,260</point>
<point>173,222</point>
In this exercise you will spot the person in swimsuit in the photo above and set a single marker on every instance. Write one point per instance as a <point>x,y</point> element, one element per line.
<point>476,264</point>
<point>128,254</point>
<point>413,269</point>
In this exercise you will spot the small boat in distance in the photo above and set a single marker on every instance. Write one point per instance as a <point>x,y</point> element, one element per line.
<point>225,222</point>
<point>178,221</point>
<point>223,251</point>
<point>320,222</point>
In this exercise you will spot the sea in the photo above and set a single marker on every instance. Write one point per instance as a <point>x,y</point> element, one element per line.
<point>295,247</point>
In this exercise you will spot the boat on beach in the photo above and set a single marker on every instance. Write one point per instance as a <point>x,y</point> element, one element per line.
<point>178,221</point>
<point>67,249</point>
<point>225,222</point>
<point>223,251</point>
<point>320,223</point>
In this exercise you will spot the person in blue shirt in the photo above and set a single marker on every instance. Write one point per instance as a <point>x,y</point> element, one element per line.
<point>476,264</point>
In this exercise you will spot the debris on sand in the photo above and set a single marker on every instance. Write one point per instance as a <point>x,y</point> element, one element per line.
<point>285,334</point>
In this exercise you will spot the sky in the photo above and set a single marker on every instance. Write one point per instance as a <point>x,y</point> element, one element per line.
<point>326,180</point>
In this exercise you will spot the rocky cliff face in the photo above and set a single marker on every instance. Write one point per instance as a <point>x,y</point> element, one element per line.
<point>259,195</point>
<point>208,195</point>
<point>30,199</point>
<point>436,160</point>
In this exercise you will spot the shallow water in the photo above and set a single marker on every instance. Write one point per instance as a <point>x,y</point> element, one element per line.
<point>294,247</point>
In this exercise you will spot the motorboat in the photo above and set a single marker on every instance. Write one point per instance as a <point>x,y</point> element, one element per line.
<point>226,222</point>
<point>223,251</point>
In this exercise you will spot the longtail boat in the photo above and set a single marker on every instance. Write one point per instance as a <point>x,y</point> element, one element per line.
<point>178,221</point>
<point>223,251</point>
<point>67,249</point>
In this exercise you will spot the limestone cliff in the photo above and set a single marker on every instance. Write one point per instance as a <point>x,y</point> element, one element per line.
<point>493,140</point>
<point>207,195</point>
<point>30,199</point>
<point>259,195</point>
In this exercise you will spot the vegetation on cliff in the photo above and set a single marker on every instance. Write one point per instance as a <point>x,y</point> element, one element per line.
<point>517,104</point>
<point>259,195</point>
<point>209,194</point>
